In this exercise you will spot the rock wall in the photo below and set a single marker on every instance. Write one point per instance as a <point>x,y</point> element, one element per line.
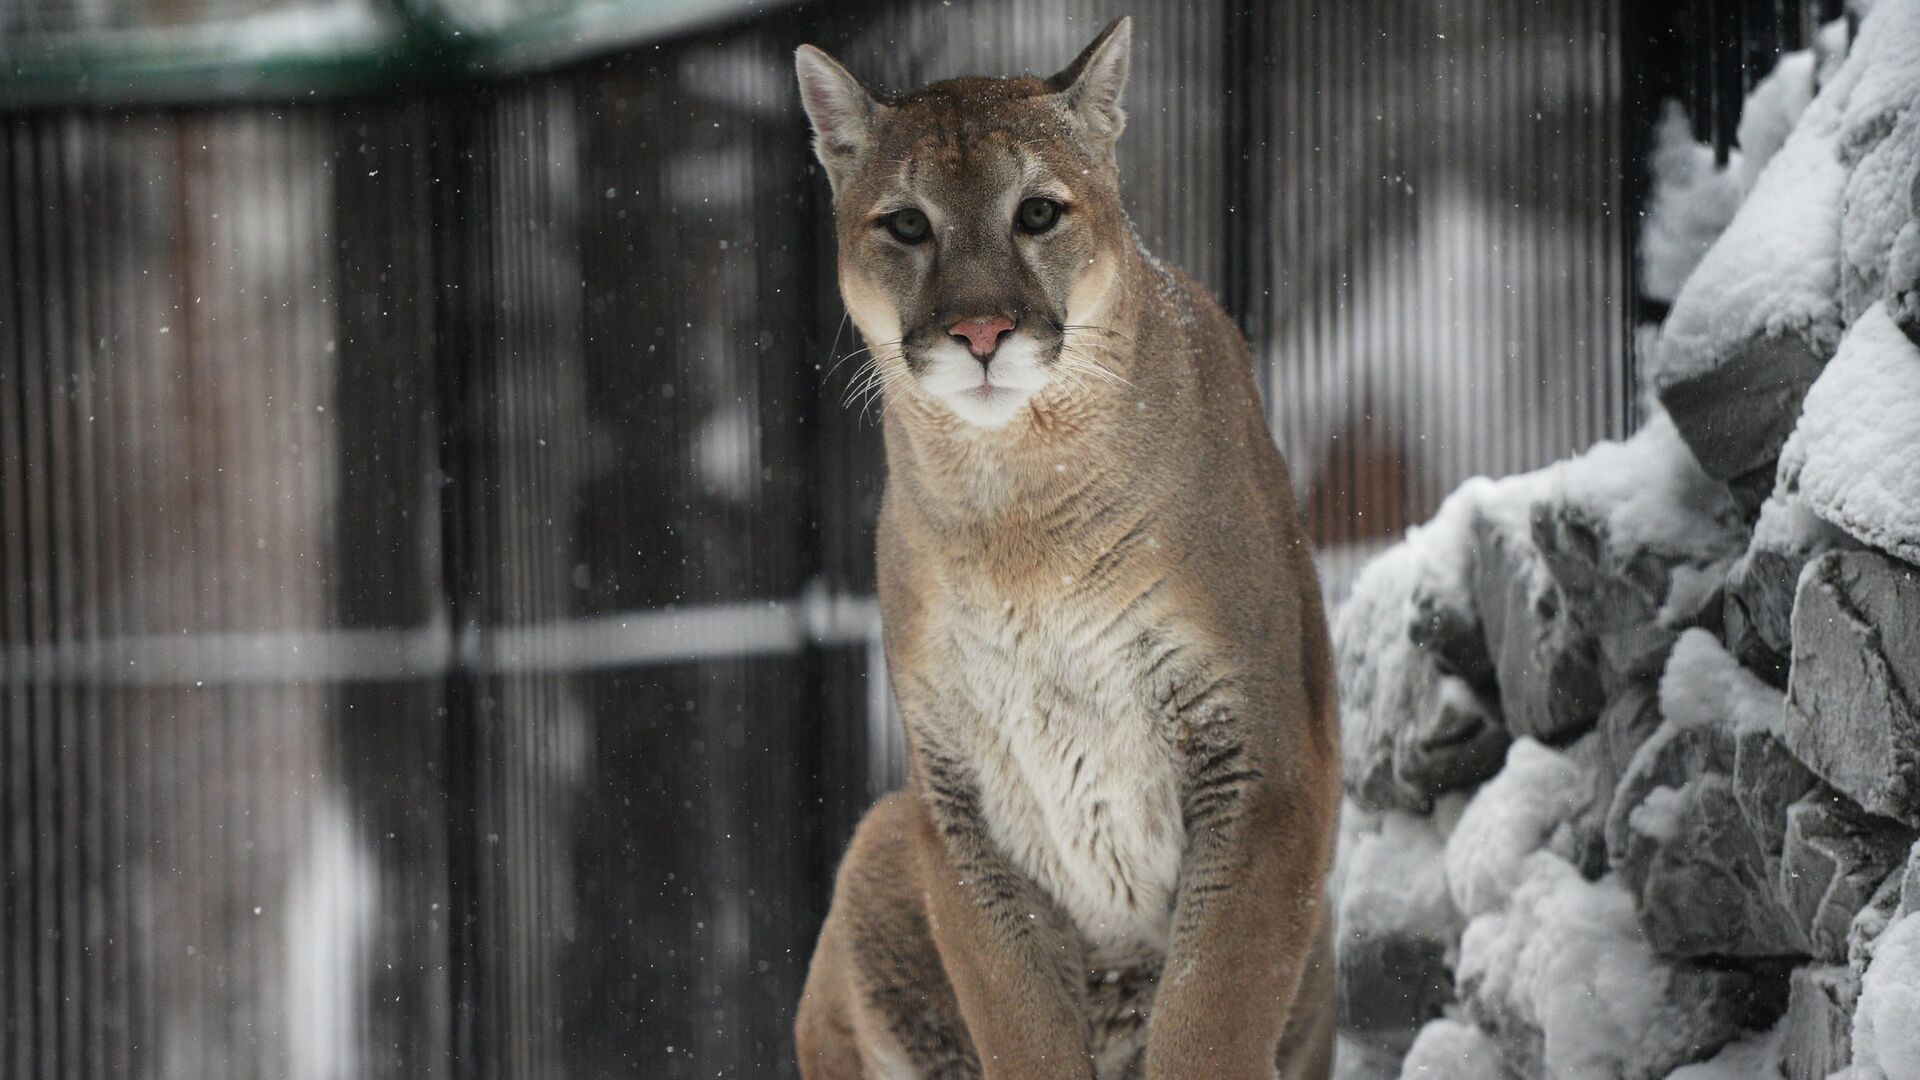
<point>1632,743</point>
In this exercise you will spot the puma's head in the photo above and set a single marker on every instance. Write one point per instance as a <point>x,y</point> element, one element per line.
<point>979,222</point>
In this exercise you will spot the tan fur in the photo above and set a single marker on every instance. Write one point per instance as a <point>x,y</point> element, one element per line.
<point>1102,625</point>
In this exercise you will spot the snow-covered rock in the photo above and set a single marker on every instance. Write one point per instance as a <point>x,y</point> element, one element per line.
<point>1886,1036</point>
<point>1414,675</point>
<point>1880,142</point>
<point>1693,200</point>
<point>1903,273</point>
<point>1852,713</point>
<point>1398,928</point>
<point>1564,980</point>
<point>1510,817</point>
<point>1699,876</point>
<point>1759,318</point>
<point>1452,1050</point>
<point>1851,456</point>
<point>1699,703</point>
<point>1752,1057</point>
<point>1628,527</point>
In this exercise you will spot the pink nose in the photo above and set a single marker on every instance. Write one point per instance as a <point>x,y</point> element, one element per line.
<point>981,335</point>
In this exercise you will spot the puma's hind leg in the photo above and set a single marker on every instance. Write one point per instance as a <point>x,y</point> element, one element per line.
<point>877,1004</point>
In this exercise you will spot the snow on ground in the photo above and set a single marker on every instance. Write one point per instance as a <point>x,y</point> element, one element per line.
<point>1510,817</point>
<point>1851,456</point>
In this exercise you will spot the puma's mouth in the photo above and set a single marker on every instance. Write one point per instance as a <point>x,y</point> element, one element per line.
<point>986,395</point>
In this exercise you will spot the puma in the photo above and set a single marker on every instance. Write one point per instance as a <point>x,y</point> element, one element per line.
<point>1102,623</point>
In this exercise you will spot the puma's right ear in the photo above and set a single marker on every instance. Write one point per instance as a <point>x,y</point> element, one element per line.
<point>1091,85</point>
<point>843,112</point>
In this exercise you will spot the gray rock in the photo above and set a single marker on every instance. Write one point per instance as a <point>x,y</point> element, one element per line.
<point>1669,758</point>
<point>1440,735</point>
<point>1909,885</point>
<point>1737,414</point>
<point>1545,664</point>
<point>1631,717</point>
<point>1835,855</point>
<point>1454,636</point>
<point>1871,921</point>
<point>1761,583</point>
<point>1699,878</point>
<point>1851,702</point>
<point>1636,598</point>
<point>1389,986</point>
<point>1819,1024</point>
<point>1397,927</point>
<point>1456,740</point>
<point>1766,780</point>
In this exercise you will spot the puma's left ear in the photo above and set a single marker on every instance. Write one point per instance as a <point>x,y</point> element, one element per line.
<point>1091,85</point>
<point>843,112</point>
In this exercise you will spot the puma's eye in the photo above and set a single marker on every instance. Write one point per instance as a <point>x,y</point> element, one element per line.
<point>1037,215</point>
<point>908,226</point>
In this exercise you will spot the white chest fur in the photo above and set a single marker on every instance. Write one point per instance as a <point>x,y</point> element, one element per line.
<point>1079,782</point>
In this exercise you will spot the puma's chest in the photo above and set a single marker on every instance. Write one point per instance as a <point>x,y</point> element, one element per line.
<point>1078,771</point>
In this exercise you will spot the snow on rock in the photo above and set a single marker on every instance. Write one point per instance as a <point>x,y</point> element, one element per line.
<point>1571,990</point>
<point>1693,200</point>
<point>1413,670</point>
<point>1678,831</point>
<point>1886,1023</point>
<point>1398,927</point>
<point>1357,1061</point>
<point>1510,817</point>
<point>1903,272</point>
<point>1756,1056</point>
<point>1851,457</point>
<point>1880,141</point>
<point>1629,532</point>
<point>1691,203</point>
<point>1451,1050</point>
<point>1754,324</point>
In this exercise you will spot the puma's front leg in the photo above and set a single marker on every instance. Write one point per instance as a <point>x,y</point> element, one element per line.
<point>1245,921</point>
<point>1014,964</point>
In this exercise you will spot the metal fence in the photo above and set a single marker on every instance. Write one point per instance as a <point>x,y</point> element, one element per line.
<point>435,632</point>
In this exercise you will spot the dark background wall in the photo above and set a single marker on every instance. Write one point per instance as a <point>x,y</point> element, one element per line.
<point>435,557</point>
